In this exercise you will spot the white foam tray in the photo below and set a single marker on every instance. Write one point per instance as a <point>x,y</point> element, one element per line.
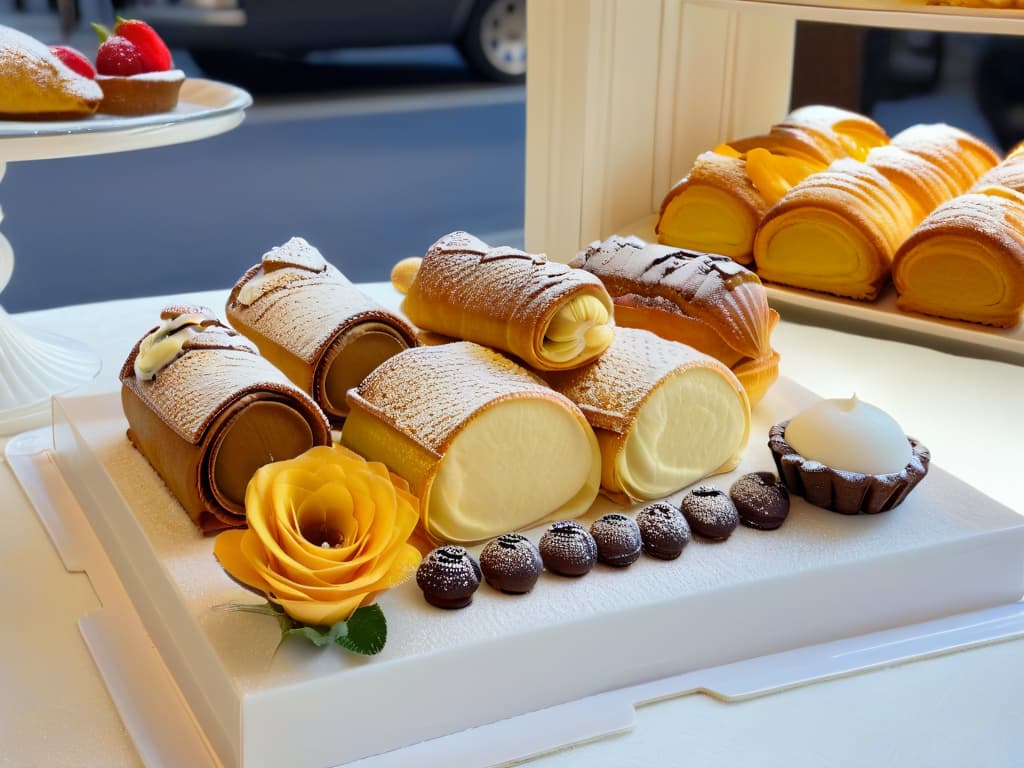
<point>822,577</point>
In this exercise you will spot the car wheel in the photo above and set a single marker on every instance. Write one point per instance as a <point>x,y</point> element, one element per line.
<point>494,40</point>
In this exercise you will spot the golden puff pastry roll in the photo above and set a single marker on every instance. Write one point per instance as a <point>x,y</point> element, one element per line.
<point>958,157</point>
<point>836,232</point>
<point>1009,173</point>
<point>665,415</point>
<point>548,315</point>
<point>706,301</point>
<point>857,134</point>
<point>39,86</point>
<point>315,325</point>
<point>207,411</point>
<point>965,261</point>
<point>716,207</point>
<point>486,446</point>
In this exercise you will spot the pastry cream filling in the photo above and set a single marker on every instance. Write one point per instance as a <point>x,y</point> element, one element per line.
<point>163,346</point>
<point>857,143</point>
<point>815,249</point>
<point>774,175</point>
<point>693,425</point>
<point>516,463</point>
<point>851,435</point>
<point>952,273</point>
<point>704,218</point>
<point>580,328</point>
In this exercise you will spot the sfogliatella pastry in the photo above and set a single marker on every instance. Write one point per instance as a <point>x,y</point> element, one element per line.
<point>708,302</point>
<point>207,411</point>
<point>835,232</point>
<point>966,260</point>
<point>36,85</point>
<point>665,415</point>
<point>847,456</point>
<point>486,446</point>
<point>719,204</point>
<point>313,324</point>
<point>548,315</point>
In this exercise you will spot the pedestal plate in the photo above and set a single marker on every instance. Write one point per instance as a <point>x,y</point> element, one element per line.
<point>34,365</point>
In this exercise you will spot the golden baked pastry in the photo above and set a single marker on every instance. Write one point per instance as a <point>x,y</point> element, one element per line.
<point>207,411</point>
<point>708,302</point>
<point>143,94</point>
<point>664,414</point>
<point>718,206</point>
<point>550,316</point>
<point>1009,173</point>
<point>965,261</point>
<point>484,443</point>
<point>835,232</point>
<point>36,85</point>
<point>992,4</point>
<point>312,323</point>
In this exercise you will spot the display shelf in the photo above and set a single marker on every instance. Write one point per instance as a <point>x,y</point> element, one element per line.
<point>35,366</point>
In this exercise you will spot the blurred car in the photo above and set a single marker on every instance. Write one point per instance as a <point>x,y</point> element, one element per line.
<point>490,34</point>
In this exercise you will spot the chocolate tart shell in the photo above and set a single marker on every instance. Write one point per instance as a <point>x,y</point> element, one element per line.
<point>849,493</point>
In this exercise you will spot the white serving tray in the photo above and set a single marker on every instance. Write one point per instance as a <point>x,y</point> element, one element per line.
<point>821,578</point>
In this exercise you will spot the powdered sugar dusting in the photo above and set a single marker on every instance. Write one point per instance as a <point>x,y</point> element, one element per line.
<point>428,393</point>
<point>27,68</point>
<point>710,512</point>
<point>713,289</point>
<point>612,389</point>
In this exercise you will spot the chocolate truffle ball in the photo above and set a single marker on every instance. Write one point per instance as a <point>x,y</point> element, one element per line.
<point>617,538</point>
<point>568,549</point>
<point>448,577</point>
<point>710,512</point>
<point>761,500</point>
<point>511,563</point>
<point>663,530</point>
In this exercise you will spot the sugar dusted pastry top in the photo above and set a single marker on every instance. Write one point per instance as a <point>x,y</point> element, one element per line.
<point>296,299</point>
<point>35,82</point>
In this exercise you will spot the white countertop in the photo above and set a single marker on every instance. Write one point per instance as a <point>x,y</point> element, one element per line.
<point>953,710</point>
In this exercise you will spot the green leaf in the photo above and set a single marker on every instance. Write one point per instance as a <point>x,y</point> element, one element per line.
<point>316,635</point>
<point>367,631</point>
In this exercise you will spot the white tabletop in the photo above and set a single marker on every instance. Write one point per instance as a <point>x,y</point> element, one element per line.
<point>953,710</point>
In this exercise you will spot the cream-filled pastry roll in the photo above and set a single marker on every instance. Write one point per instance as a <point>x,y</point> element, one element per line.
<point>836,232</point>
<point>315,325</point>
<point>548,315</point>
<point>965,261</point>
<point>482,441</point>
<point>706,301</point>
<point>665,415</point>
<point>207,411</point>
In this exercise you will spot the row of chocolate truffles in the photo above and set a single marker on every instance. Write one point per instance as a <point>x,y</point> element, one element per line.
<point>511,563</point>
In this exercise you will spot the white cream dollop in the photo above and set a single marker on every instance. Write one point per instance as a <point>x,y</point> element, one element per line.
<point>850,435</point>
<point>163,346</point>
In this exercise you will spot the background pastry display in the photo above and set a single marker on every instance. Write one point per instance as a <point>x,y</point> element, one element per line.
<point>36,85</point>
<point>706,301</point>
<point>548,315</point>
<point>664,414</point>
<point>719,204</point>
<point>207,411</point>
<point>313,324</point>
<point>484,443</point>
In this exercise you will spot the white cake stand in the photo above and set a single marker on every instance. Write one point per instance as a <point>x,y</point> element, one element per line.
<point>35,365</point>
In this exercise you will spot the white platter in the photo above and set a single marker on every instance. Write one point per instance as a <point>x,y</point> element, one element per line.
<point>205,108</point>
<point>881,317</point>
<point>822,577</point>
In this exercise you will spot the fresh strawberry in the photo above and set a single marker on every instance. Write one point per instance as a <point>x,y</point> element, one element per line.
<point>155,55</point>
<point>74,60</point>
<point>117,55</point>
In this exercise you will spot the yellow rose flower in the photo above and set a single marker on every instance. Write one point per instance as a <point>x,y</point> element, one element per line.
<point>327,532</point>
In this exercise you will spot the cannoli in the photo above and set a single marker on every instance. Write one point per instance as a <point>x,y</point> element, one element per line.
<point>965,261</point>
<point>548,315</point>
<point>312,323</point>
<point>207,411</point>
<point>708,302</point>
<point>486,446</point>
<point>665,415</point>
<point>835,232</point>
<point>718,206</point>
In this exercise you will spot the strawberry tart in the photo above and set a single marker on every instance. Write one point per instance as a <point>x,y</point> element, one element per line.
<point>135,71</point>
